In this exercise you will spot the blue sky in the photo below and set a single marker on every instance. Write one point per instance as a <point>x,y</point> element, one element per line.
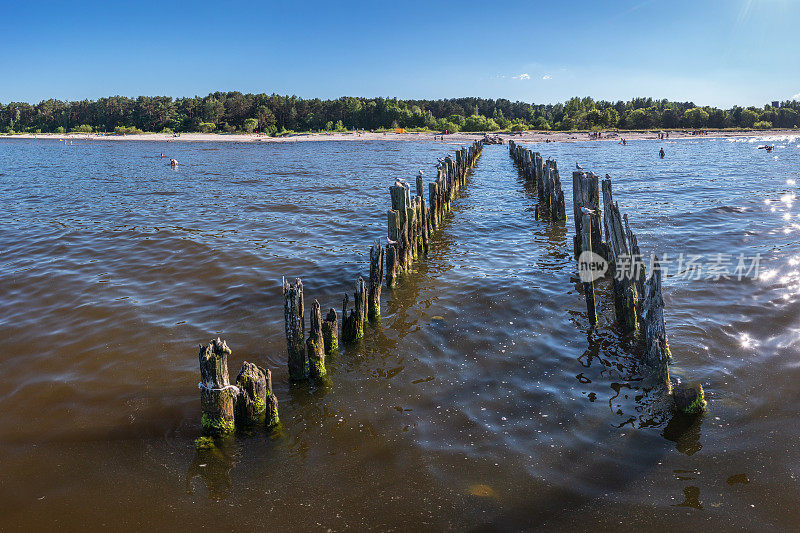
<point>711,52</point>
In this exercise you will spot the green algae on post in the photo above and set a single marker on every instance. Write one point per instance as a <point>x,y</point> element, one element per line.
<point>251,402</point>
<point>375,280</point>
<point>315,345</point>
<point>204,443</point>
<point>330,332</point>
<point>690,398</point>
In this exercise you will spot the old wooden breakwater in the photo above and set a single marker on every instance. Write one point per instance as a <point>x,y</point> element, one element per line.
<point>544,174</point>
<point>606,248</point>
<point>412,223</point>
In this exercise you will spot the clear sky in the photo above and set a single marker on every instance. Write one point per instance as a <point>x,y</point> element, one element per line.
<point>711,52</point>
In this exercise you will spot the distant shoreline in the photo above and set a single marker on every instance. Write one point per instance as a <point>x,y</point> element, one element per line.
<point>453,138</point>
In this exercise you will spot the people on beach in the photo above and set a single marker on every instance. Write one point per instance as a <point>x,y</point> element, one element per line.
<point>661,153</point>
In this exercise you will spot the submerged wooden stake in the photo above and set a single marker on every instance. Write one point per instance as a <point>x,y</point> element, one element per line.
<point>588,286</point>
<point>623,283</point>
<point>315,346</point>
<point>656,353</point>
<point>330,332</point>
<point>295,329</point>
<point>375,280</point>
<point>217,395</point>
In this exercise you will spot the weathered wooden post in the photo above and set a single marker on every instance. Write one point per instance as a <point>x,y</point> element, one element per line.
<point>656,354</point>
<point>625,296</point>
<point>251,403</point>
<point>586,194</point>
<point>399,196</point>
<point>393,248</point>
<point>411,236</point>
<point>315,345</point>
<point>425,219</point>
<point>217,395</point>
<point>637,266</point>
<point>330,332</point>
<point>271,417</point>
<point>295,329</point>
<point>353,324</point>
<point>432,195</point>
<point>588,286</point>
<point>375,280</point>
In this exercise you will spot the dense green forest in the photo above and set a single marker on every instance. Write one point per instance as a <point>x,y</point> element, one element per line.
<point>273,114</point>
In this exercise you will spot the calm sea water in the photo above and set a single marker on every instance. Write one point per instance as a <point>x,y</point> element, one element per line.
<point>481,400</point>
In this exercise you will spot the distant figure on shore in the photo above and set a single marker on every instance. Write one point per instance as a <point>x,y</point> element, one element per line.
<point>173,163</point>
<point>661,153</point>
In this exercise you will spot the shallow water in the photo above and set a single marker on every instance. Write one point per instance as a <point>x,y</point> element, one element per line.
<point>481,400</point>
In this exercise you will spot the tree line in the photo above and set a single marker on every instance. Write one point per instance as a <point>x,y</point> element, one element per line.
<point>232,112</point>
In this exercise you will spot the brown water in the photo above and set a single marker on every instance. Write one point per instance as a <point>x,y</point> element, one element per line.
<point>480,401</point>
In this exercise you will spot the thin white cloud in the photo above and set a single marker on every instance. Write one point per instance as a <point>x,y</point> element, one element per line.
<point>547,77</point>
<point>522,77</point>
<point>796,97</point>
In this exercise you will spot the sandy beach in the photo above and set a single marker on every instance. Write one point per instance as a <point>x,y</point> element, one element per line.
<point>455,138</point>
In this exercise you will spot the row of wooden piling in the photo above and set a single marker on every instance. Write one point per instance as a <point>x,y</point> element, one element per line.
<point>250,402</point>
<point>544,174</point>
<point>603,237</point>
<point>412,222</point>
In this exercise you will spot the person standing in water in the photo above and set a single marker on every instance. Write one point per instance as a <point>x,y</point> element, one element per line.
<point>661,153</point>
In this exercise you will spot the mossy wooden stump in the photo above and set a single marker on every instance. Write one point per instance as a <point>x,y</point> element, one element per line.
<point>295,329</point>
<point>251,403</point>
<point>375,280</point>
<point>588,284</point>
<point>217,395</point>
<point>315,345</point>
<point>690,398</point>
<point>330,332</point>
<point>256,404</point>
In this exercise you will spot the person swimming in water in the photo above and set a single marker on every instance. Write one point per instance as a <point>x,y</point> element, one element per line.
<point>173,163</point>
<point>661,153</point>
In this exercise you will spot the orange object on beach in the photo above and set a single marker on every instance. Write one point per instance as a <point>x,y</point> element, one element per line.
<point>400,130</point>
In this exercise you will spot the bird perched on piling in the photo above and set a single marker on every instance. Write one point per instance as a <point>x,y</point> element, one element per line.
<point>578,166</point>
